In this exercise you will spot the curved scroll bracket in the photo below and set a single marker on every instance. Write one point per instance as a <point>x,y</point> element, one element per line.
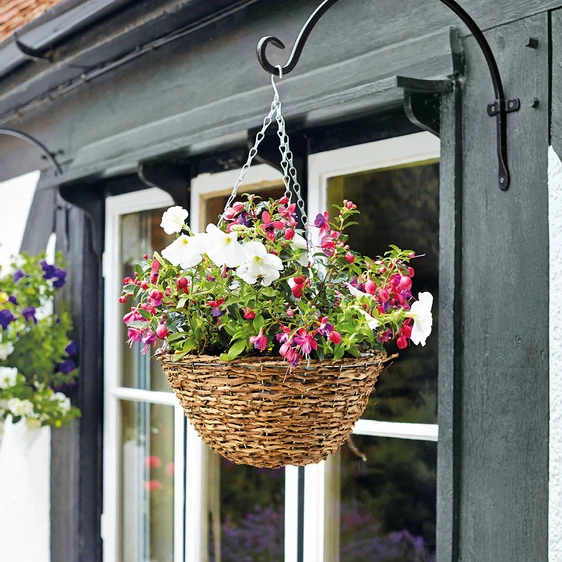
<point>501,107</point>
<point>38,145</point>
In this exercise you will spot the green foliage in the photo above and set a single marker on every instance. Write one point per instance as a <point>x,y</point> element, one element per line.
<point>36,356</point>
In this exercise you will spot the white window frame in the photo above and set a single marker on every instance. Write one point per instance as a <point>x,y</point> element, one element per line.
<point>115,208</point>
<point>203,187</point>
<point>321,505</point>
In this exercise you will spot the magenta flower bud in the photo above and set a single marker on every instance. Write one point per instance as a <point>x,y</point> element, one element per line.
<point>370,287</point>
<point>350,258</point>
<point>405,282</point>
<point>289,234</point>
<point>335,337</point>
<point>402,342</point>
<point>249,314</point>
<point>383,295</point>
<point>161,331</point>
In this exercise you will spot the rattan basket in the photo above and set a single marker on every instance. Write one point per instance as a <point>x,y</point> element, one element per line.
<point>255,411</point>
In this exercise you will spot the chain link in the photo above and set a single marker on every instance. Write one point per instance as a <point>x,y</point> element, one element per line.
<point>289,171</point>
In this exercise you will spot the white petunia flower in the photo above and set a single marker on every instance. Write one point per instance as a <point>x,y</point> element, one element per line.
<point>20,407</point>
<point>356,292</point>
<point>8,377</point>
<point>223,247</point>
<point>62,399</point>
<point>5,350</point>
<point>259,265</point>
<point>423,319</point>
<point>173,220</point>
<point>372,322</point>
<point>299,242</point>
<point>185,251</point>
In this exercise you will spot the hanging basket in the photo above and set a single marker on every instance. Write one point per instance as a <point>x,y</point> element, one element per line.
<point>255,411</point>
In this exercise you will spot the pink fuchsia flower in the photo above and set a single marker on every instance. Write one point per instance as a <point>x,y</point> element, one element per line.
<point>128,281</point>
<point>152,462</point>
<point>248,314</point>
<point>328,245</point>
<point>283,336</point>
<point>383,295</point>
<point>370,287</point>
<point>290,354</point>
<point>325,327</point>
<point>148,338</point>
<point>134,335</point>
<point>321,222</point>
<point>385,336</point>
<point>259,341</point>
<point>305,341</point>
<point>269,227</point>
<point>133,316</point>
<point>152,485</point>
<point>156,297</point>
<point>217,312</point>
<point>289,213</point>
<point>335,337</point>
<point>401,342</point>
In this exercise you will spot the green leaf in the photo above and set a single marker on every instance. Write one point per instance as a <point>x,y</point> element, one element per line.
<point>182,301</point>
<point>258,323</point>
<point>338,351</point>
<point>146,315</point>
<point>236,349</point>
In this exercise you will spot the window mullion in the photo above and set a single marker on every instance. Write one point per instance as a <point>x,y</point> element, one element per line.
<point>415,431</point>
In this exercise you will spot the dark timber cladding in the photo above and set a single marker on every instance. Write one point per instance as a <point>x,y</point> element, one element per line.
<point>505,402</point>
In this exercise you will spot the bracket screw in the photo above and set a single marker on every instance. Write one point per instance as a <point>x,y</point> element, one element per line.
<point>533,43</point>
<point>535,103</point>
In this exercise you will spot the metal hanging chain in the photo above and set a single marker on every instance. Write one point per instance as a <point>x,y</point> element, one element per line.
<point>289,171</point>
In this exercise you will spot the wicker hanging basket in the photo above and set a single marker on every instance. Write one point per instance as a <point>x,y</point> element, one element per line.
<point>255,411</point>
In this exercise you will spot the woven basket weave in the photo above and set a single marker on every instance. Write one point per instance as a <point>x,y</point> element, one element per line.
<point>255,411</point>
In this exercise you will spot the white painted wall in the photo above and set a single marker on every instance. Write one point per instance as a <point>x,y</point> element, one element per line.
<point>555,346</point>
<point>25,456</point>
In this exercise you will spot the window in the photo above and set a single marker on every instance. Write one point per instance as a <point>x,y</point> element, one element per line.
<point>144,426</point>
<point>375,500</point>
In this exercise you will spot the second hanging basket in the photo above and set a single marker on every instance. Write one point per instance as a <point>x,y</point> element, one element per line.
<point>255,411</point>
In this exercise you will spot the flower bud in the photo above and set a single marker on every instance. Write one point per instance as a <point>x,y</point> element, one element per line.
<point>183,282</point>
<point>402,342</point>
<point>122,299</point>
<point>289,234</point>
<point>405,282</point>
<point>335,337</point>
<point>144,285</point>
<point>406,331</point>
<point>383,295</point>
<point>249,314</point>
<point>161,331</point>
<point>371,287</point>
<point>411,271</point>
<point>299,280</point>
<point>350,258</point>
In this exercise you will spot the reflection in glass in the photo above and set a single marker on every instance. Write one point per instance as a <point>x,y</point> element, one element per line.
<point>388,503</point>
<point>140,234</point>
<point>400,206</point>
<point>147,483</point>
<point>246,513</point>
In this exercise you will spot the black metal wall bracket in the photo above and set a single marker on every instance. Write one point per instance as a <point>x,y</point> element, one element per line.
<point>499,109</point>
<point>29,52</point>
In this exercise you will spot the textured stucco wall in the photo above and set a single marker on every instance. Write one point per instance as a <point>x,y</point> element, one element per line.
<point>555,345</point>
<point>25,456</point>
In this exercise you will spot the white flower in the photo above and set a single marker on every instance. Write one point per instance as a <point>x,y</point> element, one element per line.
<point>173,220</point>
<point>63,400</point>
<point>423,320</point>
<point>20,407</point>
<point>372,322</point>
<point>185,251</point>
<point>5,350</point>
<point>223,248</point>
<point>8,377</point>
<point>356,292</point>
<point>259,265</point>
<point>300,243</point>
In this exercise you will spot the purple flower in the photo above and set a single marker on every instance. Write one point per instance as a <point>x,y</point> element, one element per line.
<point>13,299</point>
<point>67,366</point>
<point>60,278</point>
<point>48,269</point>
<point>18,275</point>
<point>243,219</point>
<point>259,341</point>
<point>29,314</point>
<point>71,349</point>
<point>6,317</point>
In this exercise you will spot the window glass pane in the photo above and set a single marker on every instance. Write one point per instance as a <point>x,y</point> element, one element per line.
<point>246,513</point>
<point>140,234</point>
<point>388,503</point>
<point>147,482</point>
<point>400,206</point>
